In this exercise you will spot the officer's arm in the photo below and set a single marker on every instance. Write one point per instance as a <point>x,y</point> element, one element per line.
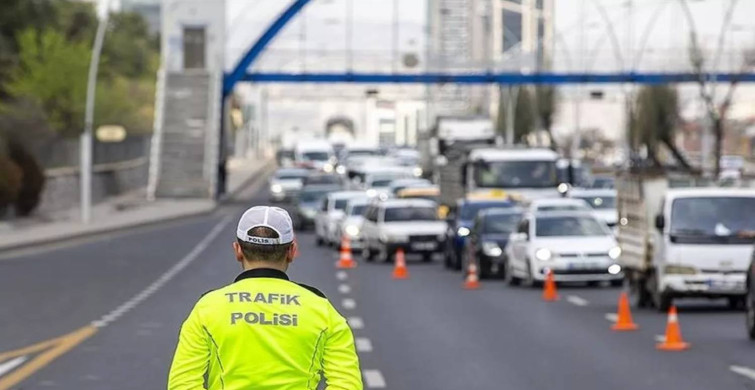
<point>192,356</point>
<point>340,361</point>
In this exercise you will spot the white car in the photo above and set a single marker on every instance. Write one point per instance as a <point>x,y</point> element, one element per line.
<point>378,181</point>
<point>400,184</point>
<point>602,201</point>
<point>575,245</point>
<point>286,183</point>
<point>558,204</point>
<point>409,224</point>
<point>330,213</point>
<point>351,223</point>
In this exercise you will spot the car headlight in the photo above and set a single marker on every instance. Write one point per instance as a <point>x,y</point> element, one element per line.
<point>614,269</point>
<point>491,249</point>
<point>417,172</point>
<point>680,270</point>
<point>327,168</point>
<point>543,254</point>
<point>276,188</point>
<point>463,231</point>
<point>341,170</point>
<point>614,253</point>
<point>352,230</point>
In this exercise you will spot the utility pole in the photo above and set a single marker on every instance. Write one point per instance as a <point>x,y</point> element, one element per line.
<point>85,165</point>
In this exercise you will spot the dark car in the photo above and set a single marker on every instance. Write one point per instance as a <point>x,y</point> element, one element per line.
<point>308,203</point>
<point>750,299</point>
<point>487,241</point>
<point>321,179</point>
<point>460,223</point>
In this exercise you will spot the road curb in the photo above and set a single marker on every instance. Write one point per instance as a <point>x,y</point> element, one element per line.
<point>254,178</point>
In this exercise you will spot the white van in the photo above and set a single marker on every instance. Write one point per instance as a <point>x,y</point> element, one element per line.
<point>315,154</point>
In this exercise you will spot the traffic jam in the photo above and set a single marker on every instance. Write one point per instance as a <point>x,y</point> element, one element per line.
<point>526,217</point>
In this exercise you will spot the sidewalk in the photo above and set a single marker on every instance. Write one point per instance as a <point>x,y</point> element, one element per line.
<point>126,211</point>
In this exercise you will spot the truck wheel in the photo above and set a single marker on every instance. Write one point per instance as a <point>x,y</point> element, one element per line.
<point>638,293</point>
<point>750,309</point>
<point>367,254</point>
<point>737,303</point>
<point>663,301</point>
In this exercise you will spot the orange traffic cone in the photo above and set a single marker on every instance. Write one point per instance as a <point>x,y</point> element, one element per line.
<point>345,260</point>
<point>399,270</point>
<point>673,341</point>
<point>472,282</point>
<point>549,288</point>
<point>624,320</point>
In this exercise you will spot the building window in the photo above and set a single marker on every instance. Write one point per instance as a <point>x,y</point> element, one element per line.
<point>512,29</point>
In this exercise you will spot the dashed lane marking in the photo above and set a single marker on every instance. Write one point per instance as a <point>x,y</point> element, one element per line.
<point>342,275</point>
<point>164,278</point>
<point>363,344</point>
<point>374,379</point>
<point>575,300</point>
<point>612,317</point>
<point>349,304</point>
<point>355,322</point>
<point>744,371</point>
<point>344,289</point>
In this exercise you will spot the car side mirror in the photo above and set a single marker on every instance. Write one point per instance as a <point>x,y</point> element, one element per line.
<point>660,222</point>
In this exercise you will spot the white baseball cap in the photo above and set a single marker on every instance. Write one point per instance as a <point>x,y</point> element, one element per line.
<point>274,218</point>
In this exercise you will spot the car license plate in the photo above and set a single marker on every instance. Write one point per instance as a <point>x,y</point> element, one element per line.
<point>423,246</point>
<point>582,265</point>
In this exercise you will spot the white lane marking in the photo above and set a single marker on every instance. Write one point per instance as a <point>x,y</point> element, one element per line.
<point>363,344</point>
<point>342,275</point>
<point>374,379</point>
<point>355,322</point>
<point>344,289</point>
<point>349,304</point>
<point>164,278</point>
<point>660,338</point>
<point>11,364</point>
<point>575,300</point>
<point>613,317</point>
<point>744,371</point>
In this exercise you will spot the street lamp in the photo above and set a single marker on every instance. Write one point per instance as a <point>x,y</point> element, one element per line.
<point>86,136</point>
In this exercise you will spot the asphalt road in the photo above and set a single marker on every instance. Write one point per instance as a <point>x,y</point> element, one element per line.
<point>422,333</point>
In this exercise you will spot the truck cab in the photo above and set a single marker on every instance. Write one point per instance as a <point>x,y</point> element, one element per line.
<point>524,173</point>
<point>685,242</point>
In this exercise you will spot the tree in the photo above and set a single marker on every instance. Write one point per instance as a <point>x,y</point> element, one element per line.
<point>654,121</point>
<point>524,115</point>
<point>546,98</point>
<point>52,73</point>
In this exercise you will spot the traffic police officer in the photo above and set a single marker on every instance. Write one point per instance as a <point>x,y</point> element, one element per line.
<point>264,331</point>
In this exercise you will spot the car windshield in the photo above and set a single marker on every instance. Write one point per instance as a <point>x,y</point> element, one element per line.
<point>569,226</point>
<point>357,210</point>
<point>314,195</point>
<point>469,210</point>
<point>398,214</point>
<point>516,174</point>
<point>323,179</point>
<point>315,156</point>
<point>562,207</point>
<point>713,219</point>
<point>500,223</point>
<point>599,202</point>
<point>357,153</point>
<point>341,204</point>
<point>291,176</point>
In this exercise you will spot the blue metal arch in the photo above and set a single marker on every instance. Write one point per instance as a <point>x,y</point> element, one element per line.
<point>238,72</point>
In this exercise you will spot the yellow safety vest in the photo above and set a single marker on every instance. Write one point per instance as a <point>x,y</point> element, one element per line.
<point>264,332</point>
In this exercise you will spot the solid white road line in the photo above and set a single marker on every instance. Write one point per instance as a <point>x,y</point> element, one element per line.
<point>374,379</point>
<point>744,371</point>
<point>575,300</point>
<point>349,304</point>
<point>342,275</point>
<point>355,322</point>
<point>363,344</point>
<point>344,289</point>
<point>11,364</point>
<point>165,277</point>
<point>612,317</point>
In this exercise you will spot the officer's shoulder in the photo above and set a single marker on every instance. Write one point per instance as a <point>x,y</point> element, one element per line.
<point>312,289</point>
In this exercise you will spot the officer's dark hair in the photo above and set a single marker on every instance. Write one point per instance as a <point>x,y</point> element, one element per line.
<point>259,252</point>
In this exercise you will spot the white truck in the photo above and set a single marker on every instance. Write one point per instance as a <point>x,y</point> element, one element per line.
<point>682,241</point>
